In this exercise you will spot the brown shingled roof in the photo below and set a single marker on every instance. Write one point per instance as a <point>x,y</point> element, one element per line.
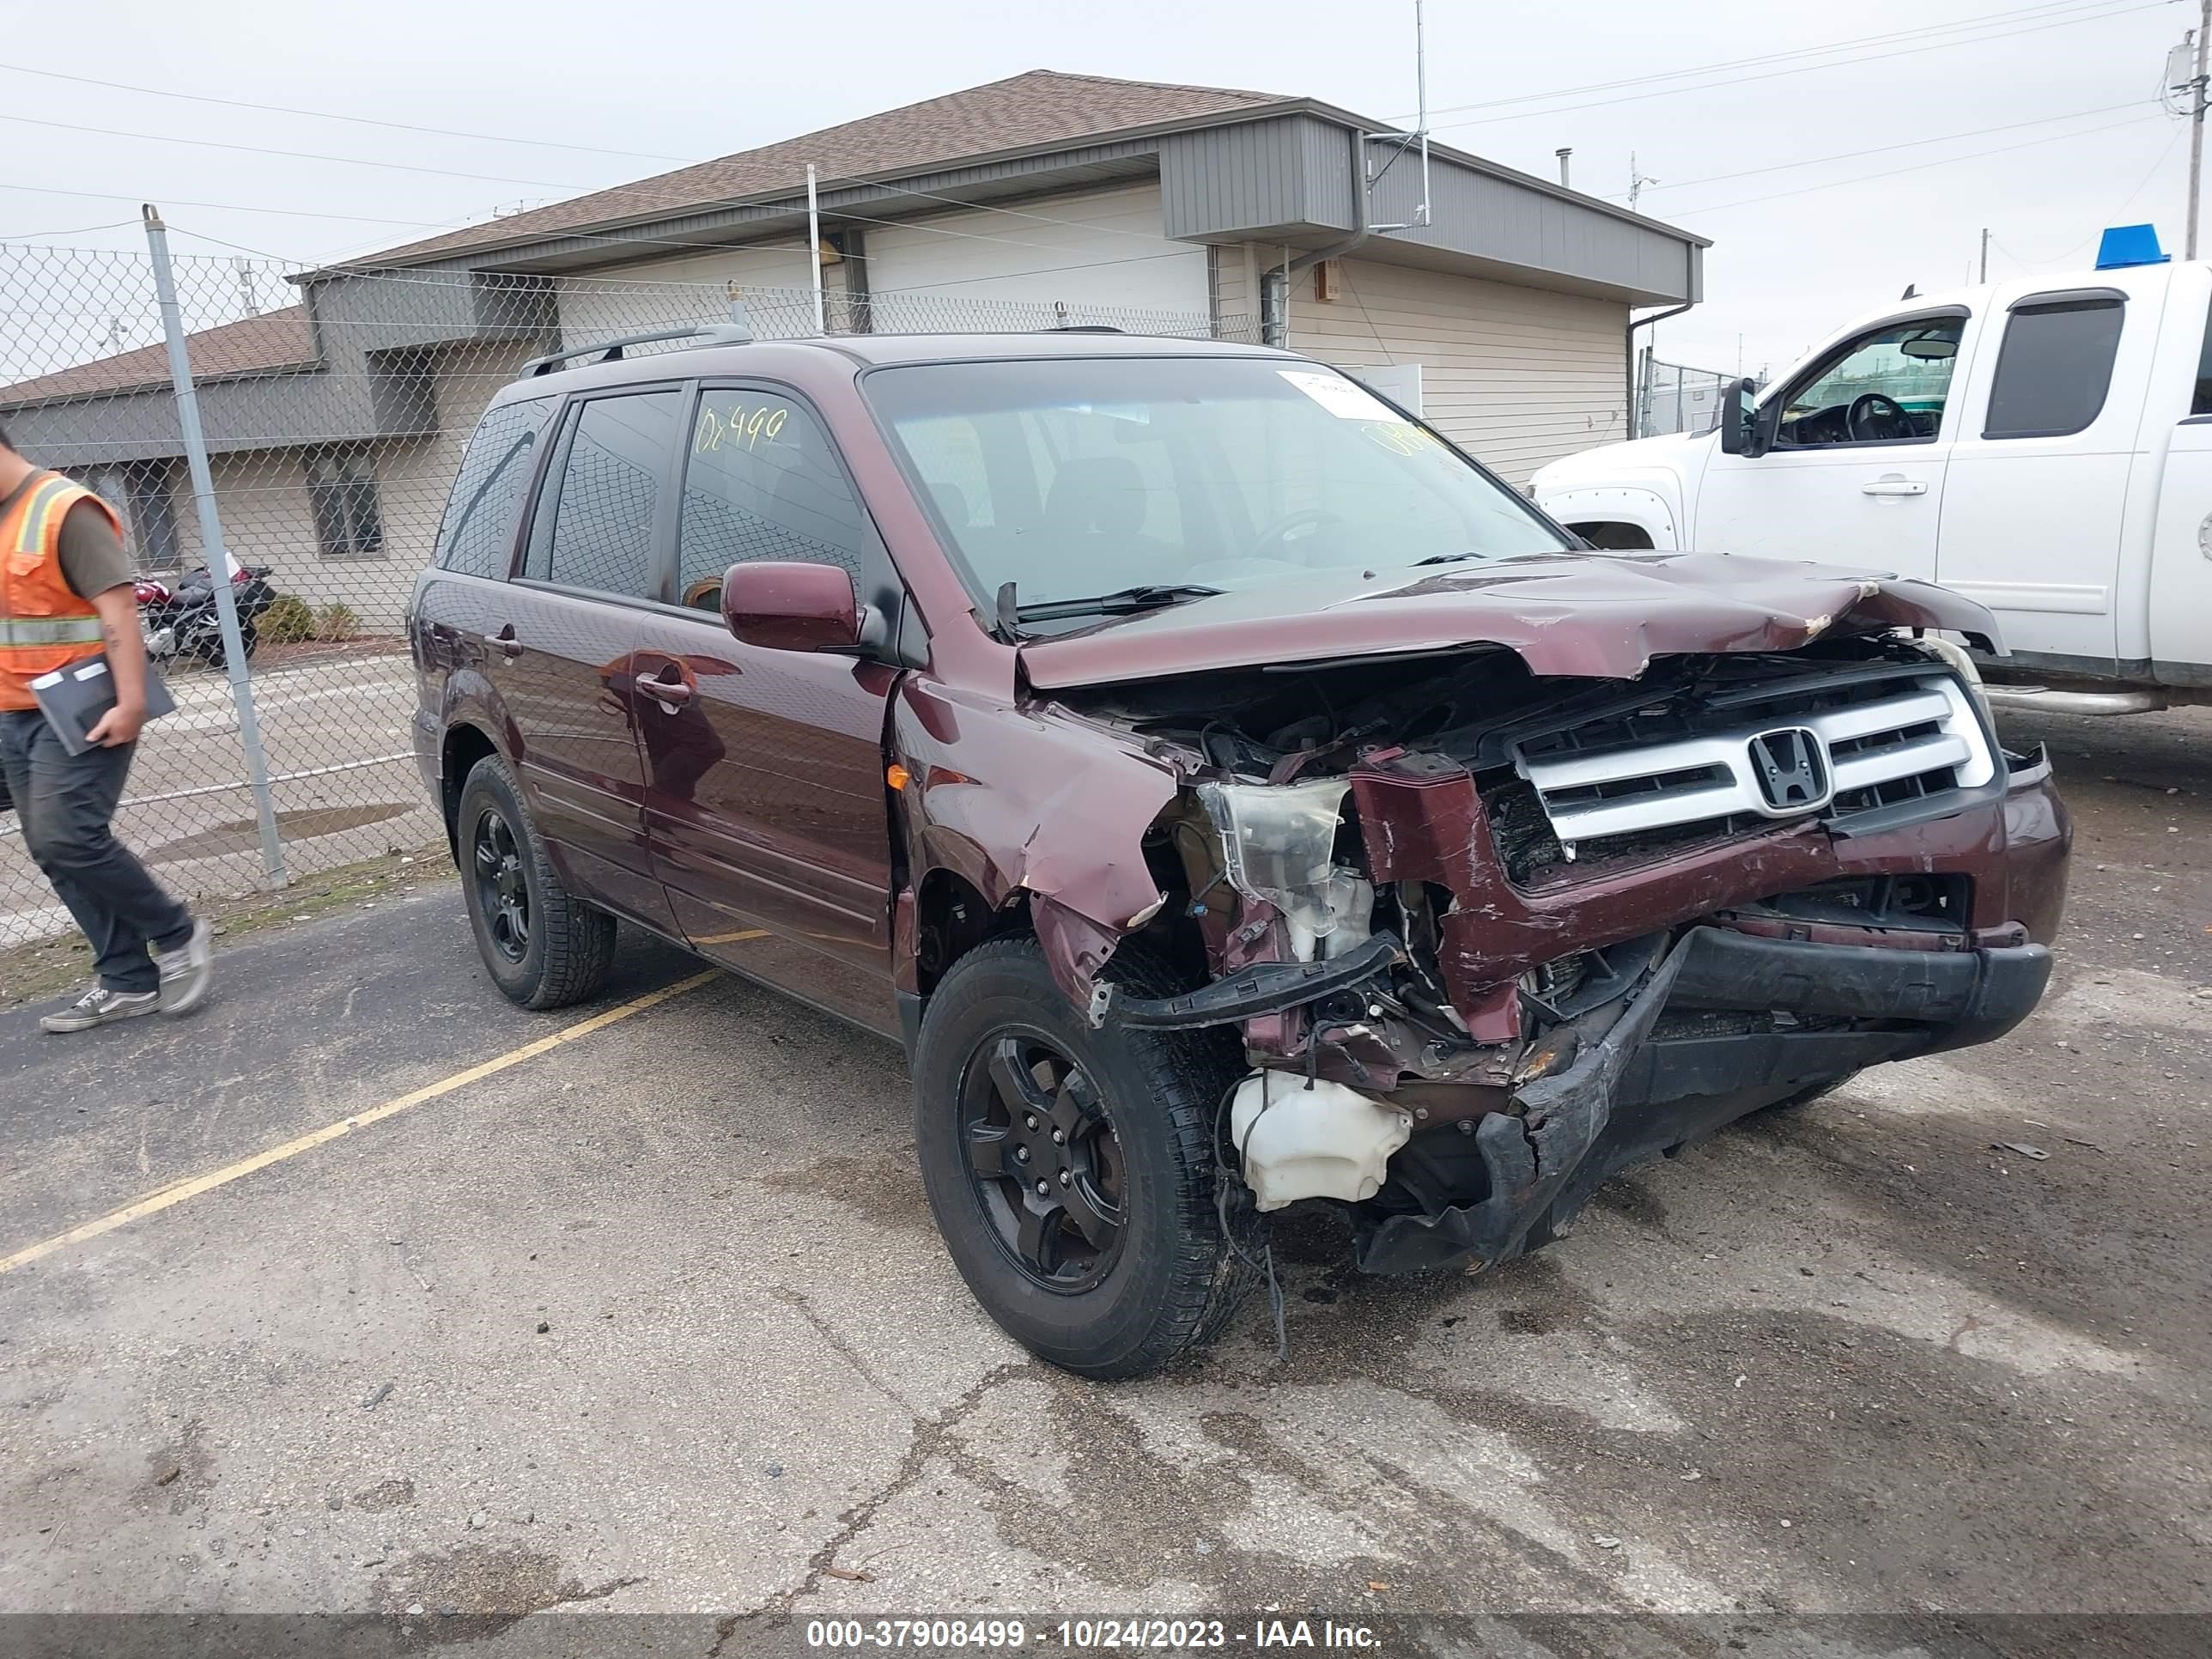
<point>1041,107</point>
<point>281,340</point>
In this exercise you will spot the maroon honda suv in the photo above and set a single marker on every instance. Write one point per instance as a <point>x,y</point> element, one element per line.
<point>1231,795</point>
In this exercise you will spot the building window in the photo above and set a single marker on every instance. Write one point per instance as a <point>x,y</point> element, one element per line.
<point>140,492</point>
<point>153,515</point>
<point>342,489</point>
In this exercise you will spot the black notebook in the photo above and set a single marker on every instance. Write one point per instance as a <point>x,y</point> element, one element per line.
<point>77,698</point>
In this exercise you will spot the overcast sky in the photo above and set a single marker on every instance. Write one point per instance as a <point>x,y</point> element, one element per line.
<point>1797,247</point>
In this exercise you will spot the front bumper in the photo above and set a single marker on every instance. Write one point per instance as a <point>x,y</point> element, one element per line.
<point>1629,1096</point>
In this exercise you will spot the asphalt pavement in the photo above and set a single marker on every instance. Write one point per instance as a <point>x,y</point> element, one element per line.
<point>341,1296</point>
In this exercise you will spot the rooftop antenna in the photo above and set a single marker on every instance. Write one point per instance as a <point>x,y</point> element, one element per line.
<point>1636,181</point>
<point>1405,140</point>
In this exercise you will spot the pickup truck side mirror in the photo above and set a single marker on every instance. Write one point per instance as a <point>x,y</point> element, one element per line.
<point>790,605</point>
<point>1739,420</point>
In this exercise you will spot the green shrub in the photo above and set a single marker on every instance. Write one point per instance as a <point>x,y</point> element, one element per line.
<point>287,620</point>
<point>335,623</point>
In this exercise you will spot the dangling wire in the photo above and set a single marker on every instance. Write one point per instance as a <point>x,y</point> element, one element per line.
<point>1222,1176</point>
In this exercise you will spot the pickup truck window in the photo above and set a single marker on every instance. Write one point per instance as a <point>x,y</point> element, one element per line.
<point>1087,475</point>
<point>1888,385</point>
<point>478,532</point>
<point>2201,404</point>
<point>2054,368</point>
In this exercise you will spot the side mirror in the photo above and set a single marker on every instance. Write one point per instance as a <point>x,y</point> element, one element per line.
<point>1738,419</point>
<point>787,605</point>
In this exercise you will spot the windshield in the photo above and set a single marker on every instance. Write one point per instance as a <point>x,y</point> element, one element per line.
<point>1147,481</point>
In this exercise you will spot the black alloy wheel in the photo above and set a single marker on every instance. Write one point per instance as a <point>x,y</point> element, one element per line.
<point>1043,1161</point>
<point>1071,1168</point>
<point>544,945</point>
<point>502,888</point>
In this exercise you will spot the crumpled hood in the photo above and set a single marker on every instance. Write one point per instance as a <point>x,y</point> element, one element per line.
<point>1605,617</point>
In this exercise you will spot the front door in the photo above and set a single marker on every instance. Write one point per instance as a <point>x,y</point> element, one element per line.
<point>1854,474</point>
<point>765,800</point>
<point>562,658</point>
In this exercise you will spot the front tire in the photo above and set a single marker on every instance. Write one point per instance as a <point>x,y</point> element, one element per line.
<point>544,947</point>
<point>1071,1171</point>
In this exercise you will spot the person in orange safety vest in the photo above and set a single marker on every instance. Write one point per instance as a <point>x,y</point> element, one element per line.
<point>65,595</point>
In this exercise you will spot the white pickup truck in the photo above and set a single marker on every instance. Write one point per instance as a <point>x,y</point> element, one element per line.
<point>2043,445</point>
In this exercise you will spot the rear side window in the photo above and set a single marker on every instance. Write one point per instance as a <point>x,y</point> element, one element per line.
<point>2054,368</point>
<point>478,530</point>
<point>595,531</point>
<point>2201,404</point>
<point>762,480</point>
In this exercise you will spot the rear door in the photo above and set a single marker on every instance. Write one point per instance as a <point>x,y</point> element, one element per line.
<point>2038,498</point>
<point>594,561</point>
<point>765,799</point>
<point>1856,472</point>
<point>2179,582</point>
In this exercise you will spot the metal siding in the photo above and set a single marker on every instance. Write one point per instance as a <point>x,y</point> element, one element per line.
<point>1105,251</point>
<point>1325,158</point>
<point>1233,174</point>
<point>1517,375</point>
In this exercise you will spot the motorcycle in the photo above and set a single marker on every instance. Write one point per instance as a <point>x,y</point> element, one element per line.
<point>182,622</point>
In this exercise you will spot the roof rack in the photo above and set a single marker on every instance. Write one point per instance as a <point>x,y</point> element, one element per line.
<point>612,351</point>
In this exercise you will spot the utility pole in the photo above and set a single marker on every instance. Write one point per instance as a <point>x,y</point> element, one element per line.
<point>814,241</point>
<point>2196,121</point>
<point>1984,277</point>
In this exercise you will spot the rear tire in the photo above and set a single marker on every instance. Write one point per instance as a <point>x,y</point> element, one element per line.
<point>1118,1264</point>
<point>544,947</point>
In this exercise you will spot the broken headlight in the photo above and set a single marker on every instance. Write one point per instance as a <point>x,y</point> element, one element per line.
<point>1278,842</point>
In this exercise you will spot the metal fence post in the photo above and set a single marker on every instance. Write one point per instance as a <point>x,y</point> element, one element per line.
<point>218,557</point>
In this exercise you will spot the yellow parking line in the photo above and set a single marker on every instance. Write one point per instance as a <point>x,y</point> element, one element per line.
<point>193,1186</point>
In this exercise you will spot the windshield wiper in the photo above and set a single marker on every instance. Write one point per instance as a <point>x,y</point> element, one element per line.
<point>1122,602</point>
<point>1448,558</point>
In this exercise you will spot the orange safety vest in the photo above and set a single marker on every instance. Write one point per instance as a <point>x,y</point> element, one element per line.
<point>44,623</point>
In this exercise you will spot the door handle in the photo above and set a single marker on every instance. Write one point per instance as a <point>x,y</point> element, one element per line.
<point>509,646</point>
<point>666,692</point>
<point>1893,485</point>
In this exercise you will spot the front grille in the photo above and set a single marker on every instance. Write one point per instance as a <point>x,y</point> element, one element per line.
<point>1810,745</point>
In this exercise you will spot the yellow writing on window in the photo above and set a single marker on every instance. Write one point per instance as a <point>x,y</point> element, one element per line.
<point>1400,437</point>
<point>740,428</point>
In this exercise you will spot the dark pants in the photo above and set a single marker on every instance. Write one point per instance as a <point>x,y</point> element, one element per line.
<point>64,802</point>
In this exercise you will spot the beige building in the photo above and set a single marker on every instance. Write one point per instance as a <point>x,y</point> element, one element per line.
<point>1497,304</point>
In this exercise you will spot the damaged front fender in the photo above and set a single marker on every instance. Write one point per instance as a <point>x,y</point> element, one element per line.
<point>1021,803</point>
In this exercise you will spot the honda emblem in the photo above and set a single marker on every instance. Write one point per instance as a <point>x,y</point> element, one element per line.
<point>1791,764</point>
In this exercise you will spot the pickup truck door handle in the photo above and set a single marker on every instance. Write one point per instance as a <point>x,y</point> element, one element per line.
<point>1893,483</point>
<point>509,646</point>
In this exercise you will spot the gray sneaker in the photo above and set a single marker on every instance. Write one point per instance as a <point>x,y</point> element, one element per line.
<point>185,971</point>
<point>101,1006</point>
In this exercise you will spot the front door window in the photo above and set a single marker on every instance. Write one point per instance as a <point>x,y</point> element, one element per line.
<point>1888,385</point>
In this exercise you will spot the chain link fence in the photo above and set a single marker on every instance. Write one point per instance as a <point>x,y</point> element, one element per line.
<point>1673,397</point>
<point>335,408</point>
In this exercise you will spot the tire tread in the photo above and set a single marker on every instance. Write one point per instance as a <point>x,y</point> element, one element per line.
<point>1186,1075</point>
<point>578,948</point>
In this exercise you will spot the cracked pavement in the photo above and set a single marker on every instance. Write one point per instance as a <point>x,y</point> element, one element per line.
<point>1855,1359</point>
